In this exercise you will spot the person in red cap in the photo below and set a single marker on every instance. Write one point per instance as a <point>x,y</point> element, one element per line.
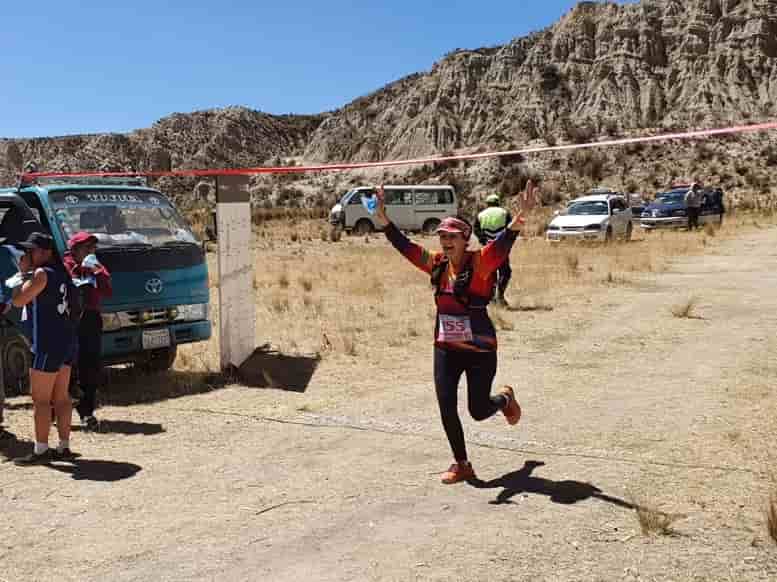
<point>81,262</point>
<point>465,338</point>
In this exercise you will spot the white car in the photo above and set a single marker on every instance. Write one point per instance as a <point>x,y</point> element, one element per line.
<point>594,218</point>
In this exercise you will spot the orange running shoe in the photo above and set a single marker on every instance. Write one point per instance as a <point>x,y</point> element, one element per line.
<point>512,411</point>
<point>458,472</point>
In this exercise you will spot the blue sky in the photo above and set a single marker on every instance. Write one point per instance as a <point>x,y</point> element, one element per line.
<point>92,66</point>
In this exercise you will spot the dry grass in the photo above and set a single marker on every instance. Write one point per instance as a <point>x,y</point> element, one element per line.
<point>306,283</point>
<point>653,521</point>
<point>354,297</point>
<point>686,309</point>
<point>656,522</point>
<point>573,262</point>
<point>501,319</point>
<point>771,517</point>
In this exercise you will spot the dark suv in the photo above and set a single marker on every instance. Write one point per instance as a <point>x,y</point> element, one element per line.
<point>669,210</point>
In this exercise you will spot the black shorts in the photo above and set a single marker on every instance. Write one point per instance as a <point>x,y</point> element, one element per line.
<point>52,360</point>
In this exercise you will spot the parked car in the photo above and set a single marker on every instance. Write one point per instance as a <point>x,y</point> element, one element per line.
<point>594,218</point>
<point>669,210</point>
<point>637,204</point>
<point>414,208</point>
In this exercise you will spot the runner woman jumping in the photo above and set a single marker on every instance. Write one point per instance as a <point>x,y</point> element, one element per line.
<point>465,338</point>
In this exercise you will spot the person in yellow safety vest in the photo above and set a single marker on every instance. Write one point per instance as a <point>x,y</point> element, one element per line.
<point>489,224</point>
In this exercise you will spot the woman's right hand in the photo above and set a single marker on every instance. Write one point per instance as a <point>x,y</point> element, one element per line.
<point>380,211</point>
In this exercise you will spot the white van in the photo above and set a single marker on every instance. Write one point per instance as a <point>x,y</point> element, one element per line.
<point>414,208</point>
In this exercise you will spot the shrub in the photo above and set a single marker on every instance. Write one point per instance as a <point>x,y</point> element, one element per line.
<point>589,164</point>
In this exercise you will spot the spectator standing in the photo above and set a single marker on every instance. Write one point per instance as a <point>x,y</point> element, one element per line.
<point>45,296</point>
<point>693,201</point>
<point>490,223</point>
<point>82,264</point>
<point>12,255</point>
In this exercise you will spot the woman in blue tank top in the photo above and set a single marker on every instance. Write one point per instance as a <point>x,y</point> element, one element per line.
<point>44,297</point>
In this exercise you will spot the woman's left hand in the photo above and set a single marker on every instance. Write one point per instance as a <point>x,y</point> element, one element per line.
<point>380,211</point>
<point>523,205</point>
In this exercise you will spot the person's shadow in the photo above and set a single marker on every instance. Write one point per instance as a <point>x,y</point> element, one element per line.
<point>92,470</point>
<point>128,427</point>
<point>11,447</point>
<point>565,492</point>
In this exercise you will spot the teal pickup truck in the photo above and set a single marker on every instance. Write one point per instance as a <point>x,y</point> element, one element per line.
<point>159,270</point>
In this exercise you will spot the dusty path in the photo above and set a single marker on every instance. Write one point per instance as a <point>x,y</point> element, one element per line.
<point>623,403</point>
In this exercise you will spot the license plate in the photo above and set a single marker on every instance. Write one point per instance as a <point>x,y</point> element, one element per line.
<point>156,338</point>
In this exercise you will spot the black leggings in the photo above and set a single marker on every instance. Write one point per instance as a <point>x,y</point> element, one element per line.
<point>480,368</point>
<point>89,367</point>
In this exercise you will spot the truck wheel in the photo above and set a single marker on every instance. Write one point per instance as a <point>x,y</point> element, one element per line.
<point>160,360</point>
<point>430,226</point>
<point>364,226</point>
<point>17,360</point>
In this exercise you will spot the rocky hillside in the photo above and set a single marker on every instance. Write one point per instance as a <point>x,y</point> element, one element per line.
<point>604,69</point>
<point>231,137</point>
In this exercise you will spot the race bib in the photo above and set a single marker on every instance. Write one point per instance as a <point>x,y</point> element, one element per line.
<point>455,328</point>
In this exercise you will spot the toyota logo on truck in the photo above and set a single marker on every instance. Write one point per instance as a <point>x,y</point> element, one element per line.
<point>154,286</point>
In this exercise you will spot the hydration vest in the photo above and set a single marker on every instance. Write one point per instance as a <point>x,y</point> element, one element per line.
<point>460,285</point>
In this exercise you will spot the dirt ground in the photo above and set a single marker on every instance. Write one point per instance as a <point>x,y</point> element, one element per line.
<point>625,405</point>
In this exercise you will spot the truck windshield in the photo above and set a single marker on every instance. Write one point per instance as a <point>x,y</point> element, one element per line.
<point>121,219</point>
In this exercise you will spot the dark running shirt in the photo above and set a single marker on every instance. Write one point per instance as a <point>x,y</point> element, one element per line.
<point>48,315</point>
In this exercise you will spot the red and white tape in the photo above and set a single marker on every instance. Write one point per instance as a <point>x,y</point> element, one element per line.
<point>392,163</point>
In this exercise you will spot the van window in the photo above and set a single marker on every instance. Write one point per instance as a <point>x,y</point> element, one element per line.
<point>431,197</point>
<point>399,197</point>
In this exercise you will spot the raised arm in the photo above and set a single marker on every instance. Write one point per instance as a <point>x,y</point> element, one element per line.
<point>415,253</point>
<point>30,289</point>
<point>496,252</point>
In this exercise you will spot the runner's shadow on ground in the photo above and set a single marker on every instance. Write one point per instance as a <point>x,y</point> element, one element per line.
<point>564,492</point>
<point>127,427</point>
<point>92,470</point>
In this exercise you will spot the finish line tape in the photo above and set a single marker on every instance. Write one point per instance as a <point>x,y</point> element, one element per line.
<point>392,163</point>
